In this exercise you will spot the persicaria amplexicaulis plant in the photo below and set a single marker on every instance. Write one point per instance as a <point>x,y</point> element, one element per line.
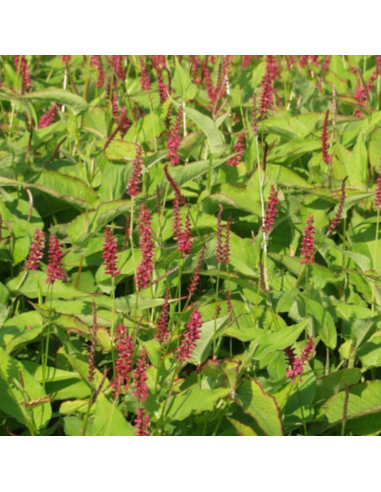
<point>174,140</point>
<point>110,250</point>
<point>223,249</point>
<point>297,364</point>
<point>96,61</point>
<point>144,77</point>
<point>308,243</point>
<point>239,148</point>
<point>140,391</point>
<point>324,140</point>
<point>133,184</point>
<point>48,118</point>
<point>339,214</point>
<point>147,248</point>
<point>162,333</point>
<point>37,250</point>
<point>196,275</point>
<point>124,362</point>
<point>377,200</point>
<point>192,335</point>
<point>55,270</point>
<point>22,68</point>
<point>271,211</point>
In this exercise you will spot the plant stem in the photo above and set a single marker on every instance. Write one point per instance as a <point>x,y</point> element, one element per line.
<point>375,260</point>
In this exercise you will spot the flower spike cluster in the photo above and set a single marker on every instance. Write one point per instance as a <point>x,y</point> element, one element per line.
<point>239,147</point>
<point>268,221</point>
<point>110,249</point>
<point>147,248</point>
<point>55,270</point>
<point>189,343</point>
<point>324,140</point>
<point>162,335</point>
<point>308,243</point>
<point>223,250</point>
<point>37,250</point>
<point>48,118</point>
<point>297,364</point>
<point>133,184</point>
<point>339,214</point>
<point>174,140</point>
<point>196,275</point>
<point>377,200</point>
<point>123,366</point>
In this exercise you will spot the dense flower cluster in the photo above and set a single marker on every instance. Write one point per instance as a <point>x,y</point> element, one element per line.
<point>223,250</point>
<point>48,117</point>
<point>144,77</point>
<point>110,250</point>
<point>196,275</point>
<point>339,214</point>
<point>22,68</point>
<point>174,140</point>
<point>147,248</point>
<point>142,423</point>
<point>308,243</point>
<point>133,184</point>
<point>124,363</point>
<point>162,333</point>
<point>239,148</point>
<point>377,201</point>
<point>193,333</point>
<point>37,250</point>
<point>297,364</point>
<point>96,61</point>
<point>324,140</point>
<point>140,388</point>
<point>55,270</point>
<point>271,211</point>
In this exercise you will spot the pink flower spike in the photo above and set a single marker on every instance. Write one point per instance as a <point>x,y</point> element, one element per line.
<point>37,250</point>
<point>308,243</point>
<point>123,366</point>
<point>377,201</point>
<point>110,249</point>
<point>189,342</point>
<point>142,423</point>
<point>174,140</point>
<point>162,335</point>
<point>268,221</point>
<point>298,363</point>
<point>55,271</point>
<point>147,248</point>
<point>239,148</point>
<point>140,388</point>
<point>133,184</point>
<point>48,118</point>
<point>324,140</point>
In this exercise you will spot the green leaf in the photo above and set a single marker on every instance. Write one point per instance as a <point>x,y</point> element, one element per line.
<point>242,429</point>
<point>279,340</point>
<point>202,350</point>
<point>20,330</point>
<point>77,104</point>
<point>206,124</point>
<point>328,386</point>
<point>17,394</point>
<point>262,407</point>
<point>375,149</point>
<point>108,421</point>
<point>357,166</point>
<point>364,409</point>
<point>182,83</point>
<point>195,400</point>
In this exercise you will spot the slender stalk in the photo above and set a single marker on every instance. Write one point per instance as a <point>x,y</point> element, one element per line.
<point>45,358</point>
<point>215,321</point>
<point>301,409</point>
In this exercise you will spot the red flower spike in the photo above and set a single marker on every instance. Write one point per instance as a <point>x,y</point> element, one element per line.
<point>268,220</point>
<point>48,118</point>
<point>324,140</point>
<point>189,342</point>
<point>123,366</point>
<point>298,363</point>
<point>196,276</point>
<point>142,423</point>
<point>96,61</point>
<point>308,244</point>
<point>133,184</point>
<point>184,243</point>
<point>22,67</point>
<point>144,77</point>
<point>239,147</point>
<point>266,102</point>
<point>377,201</point>
<point>226,254</point>
<point>140,388</point>
<point>65,59</point>
<point>174,140</point>
<point>55,271</point>
<point>162,335</point>
<point>110,250</point>
<point>219,249</point>
<point>37,250</point>
<point>337,218</point>
<point>147,248</point>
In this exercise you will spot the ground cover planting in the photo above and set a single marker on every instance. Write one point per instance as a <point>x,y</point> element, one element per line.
<point>189,245</point>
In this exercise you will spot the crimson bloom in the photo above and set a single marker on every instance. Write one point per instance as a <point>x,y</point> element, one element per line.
<point>193,333</point>
<point>123,366</point>
<point>133,184</point>
<point>298,363</point>
<point>55,270</point>
<point>377,201</point>
<point>48,118</point>
<point>147,248</point>
<point>308,243</point>
<point>268,221</point>
<point>37,250</point>
<point>110,249</point>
